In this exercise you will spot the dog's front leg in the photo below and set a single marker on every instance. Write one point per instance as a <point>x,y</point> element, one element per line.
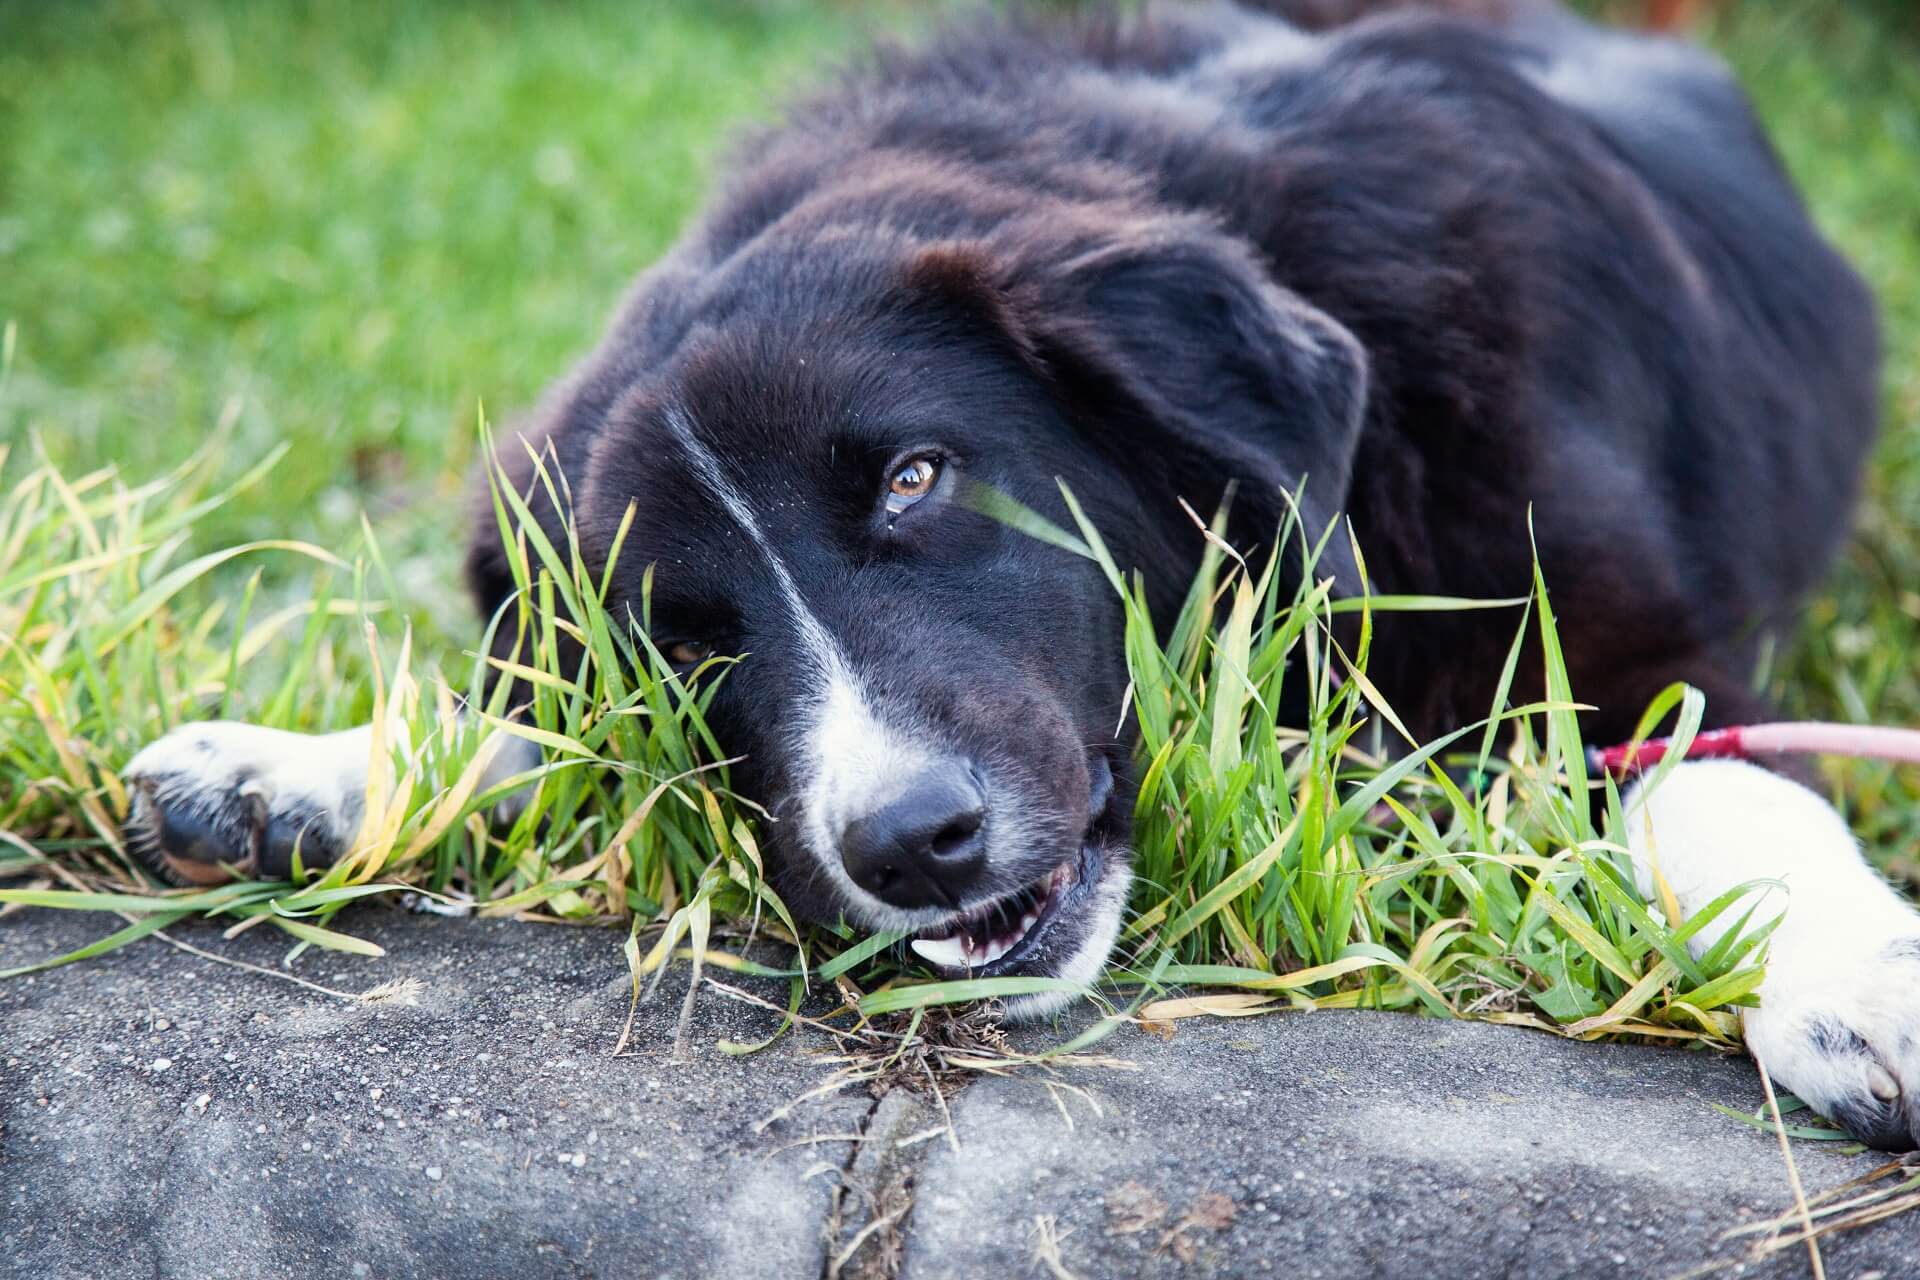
<point>217,798</point>
<point>1839,1015</point>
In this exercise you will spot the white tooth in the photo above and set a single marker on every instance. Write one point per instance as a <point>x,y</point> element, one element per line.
<point>950,953</point>
<point>993,951</point>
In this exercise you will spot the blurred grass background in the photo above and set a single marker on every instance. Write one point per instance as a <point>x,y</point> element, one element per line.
<point>341,226</point>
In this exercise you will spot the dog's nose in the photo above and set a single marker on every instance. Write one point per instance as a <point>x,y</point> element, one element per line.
<point>925,848</point>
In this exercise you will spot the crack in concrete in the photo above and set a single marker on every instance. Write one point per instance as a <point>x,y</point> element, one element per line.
<point>871,1209</point>
<point>832,1226</point>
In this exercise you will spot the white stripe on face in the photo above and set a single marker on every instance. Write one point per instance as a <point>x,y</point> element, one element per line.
<point>856,762</point>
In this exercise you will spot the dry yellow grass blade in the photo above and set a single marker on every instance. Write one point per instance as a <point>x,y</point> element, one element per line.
<point>1623,1009</point>
<point>447,811</point>
<point>1230,1004</point>
<point>1793,1172</point>
<point>75,774</point>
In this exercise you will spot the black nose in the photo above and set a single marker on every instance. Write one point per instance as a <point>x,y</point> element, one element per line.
<point>925,848</point>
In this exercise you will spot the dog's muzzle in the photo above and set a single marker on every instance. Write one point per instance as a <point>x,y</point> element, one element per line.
<point>997,936</point>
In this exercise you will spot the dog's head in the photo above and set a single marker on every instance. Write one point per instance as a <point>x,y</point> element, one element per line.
<point>930,703</point>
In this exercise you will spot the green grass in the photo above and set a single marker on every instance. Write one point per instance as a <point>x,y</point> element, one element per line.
<point>1840,87</point>
<point>1265,865</point>
<point>344,225</point>
<point>231,236</point>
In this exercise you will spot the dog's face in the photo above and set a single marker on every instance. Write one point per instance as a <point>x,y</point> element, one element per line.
<point>929,702</point>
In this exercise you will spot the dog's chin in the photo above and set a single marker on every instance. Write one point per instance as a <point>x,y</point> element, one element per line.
<point>1062,926</point>
<point>1078,946</point>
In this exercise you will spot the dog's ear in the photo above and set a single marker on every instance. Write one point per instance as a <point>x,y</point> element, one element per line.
<point>1180,352</point>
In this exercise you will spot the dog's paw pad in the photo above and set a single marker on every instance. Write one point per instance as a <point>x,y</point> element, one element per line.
<point>214,801</point>
<point>1850,1048</point>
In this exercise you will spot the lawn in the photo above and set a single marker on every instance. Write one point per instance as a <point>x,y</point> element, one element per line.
<point>230,231</point>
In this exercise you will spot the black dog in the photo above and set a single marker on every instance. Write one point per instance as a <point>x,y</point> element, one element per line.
<point>1445,268</point>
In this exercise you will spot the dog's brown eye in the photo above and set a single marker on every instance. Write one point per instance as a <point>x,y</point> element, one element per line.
<point>910,482</point>
<point>689,653</point>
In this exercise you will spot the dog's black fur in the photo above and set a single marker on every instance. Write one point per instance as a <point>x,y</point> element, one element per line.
<point>1448,269</point>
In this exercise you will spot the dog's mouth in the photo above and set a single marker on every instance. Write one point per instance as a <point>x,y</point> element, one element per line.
<point>993,937</point>
<point>1002,935</point>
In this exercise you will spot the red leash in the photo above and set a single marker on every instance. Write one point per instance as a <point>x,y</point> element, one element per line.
<point>1758,741</point>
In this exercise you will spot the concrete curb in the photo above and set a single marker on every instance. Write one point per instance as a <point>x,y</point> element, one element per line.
<point>163,1115</point>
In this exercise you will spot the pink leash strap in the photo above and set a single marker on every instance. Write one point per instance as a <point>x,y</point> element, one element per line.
<point>1753,741</point>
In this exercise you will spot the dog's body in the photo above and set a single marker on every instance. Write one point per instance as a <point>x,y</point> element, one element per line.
<point>1578,283</point>
<point>1449,272</point>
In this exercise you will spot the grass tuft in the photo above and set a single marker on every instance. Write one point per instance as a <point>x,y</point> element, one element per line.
<point>1296,863</point>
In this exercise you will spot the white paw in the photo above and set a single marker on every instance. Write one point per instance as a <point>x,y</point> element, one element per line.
<point>217,799</point>
<point>1844,1034</point>
<point>1839,1015</point>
